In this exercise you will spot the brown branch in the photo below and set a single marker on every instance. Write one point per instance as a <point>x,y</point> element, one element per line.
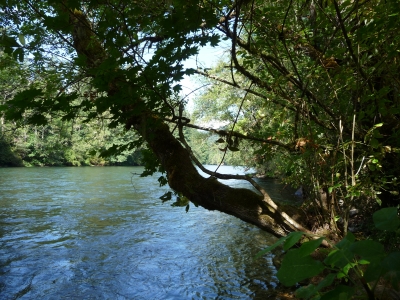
<point>276,65</point>
<point>184,177</point>
<point>269,204</point>
<point>250,91</point>
<point>296,105</point>
<point>288,147</point>
<point>41,15</point>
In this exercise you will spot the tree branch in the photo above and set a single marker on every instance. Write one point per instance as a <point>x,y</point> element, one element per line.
<point>349,45</point>
<point>224,133</point>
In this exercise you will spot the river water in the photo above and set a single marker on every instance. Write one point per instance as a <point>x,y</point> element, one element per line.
<point>103,233</point>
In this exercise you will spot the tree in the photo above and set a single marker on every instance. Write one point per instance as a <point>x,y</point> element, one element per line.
<point>330,86</point>
<point>316,60</point>
<point>59,142</point>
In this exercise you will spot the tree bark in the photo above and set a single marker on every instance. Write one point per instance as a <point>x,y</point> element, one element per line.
<point>182,175</point>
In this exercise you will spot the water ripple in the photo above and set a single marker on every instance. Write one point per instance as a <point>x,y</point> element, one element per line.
<point>87,233</point>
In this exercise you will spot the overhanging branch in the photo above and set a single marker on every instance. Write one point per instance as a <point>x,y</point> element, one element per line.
<point>288,147</point>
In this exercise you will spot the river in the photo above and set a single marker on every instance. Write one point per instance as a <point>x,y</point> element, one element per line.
<point>103,233</point>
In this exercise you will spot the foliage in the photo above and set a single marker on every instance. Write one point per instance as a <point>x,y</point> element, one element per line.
<point>7,157</point>
<point>208,149</point>
<point>323,101</point>
<point>356,262</point>
<point>67,92</point>
<point>57,141</point>
<point>311,86</point>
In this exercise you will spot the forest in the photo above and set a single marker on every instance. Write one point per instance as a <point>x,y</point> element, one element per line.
<point>308,91</point>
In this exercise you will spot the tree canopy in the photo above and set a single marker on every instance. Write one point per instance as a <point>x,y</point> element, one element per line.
<point>310,89</point>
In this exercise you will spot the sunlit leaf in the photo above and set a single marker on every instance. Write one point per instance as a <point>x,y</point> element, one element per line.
<point>21,39</point>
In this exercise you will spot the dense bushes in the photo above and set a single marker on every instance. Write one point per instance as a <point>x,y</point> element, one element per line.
<point>7,157</point>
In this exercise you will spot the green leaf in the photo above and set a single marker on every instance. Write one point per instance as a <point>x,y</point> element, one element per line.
<point>167,196</point>
<point>387,219</point>
<point>37,119</point>
<point>368,250</point>
<point>345,270</point>
<point>177,88</point>
<point>214,40</point>
<point>373,272</point>
<point>8,42</point>
<point>19,54</point>
<point>391,266</point>
<point>341,256</point>
<point>181,201</point>
<point>327,281</point>
<point>341,292</point>
<point>21,39</point>
<point>331,188</point>
<point>306,292</point>
<point>292,239</point>
<point>272,247</point>
<point>24,100</point>
<point>310,290</point>
<point>374,143</point>
<point>162,180</point>
<point>348,240</point>
<point>364,262</point>
<point>309,247</point>
<point>296,268</point>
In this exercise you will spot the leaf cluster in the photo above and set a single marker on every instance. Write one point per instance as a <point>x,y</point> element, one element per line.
<point>366,259</point>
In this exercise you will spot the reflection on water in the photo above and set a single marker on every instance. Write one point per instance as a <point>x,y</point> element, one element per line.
<point>91,233</point>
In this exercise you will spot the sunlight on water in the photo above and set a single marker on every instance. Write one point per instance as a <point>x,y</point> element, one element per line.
<point>103,233</point>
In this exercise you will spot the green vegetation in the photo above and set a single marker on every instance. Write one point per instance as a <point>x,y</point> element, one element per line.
<point>309,92</point>
<point>362,263</point>
<point>59,141</point>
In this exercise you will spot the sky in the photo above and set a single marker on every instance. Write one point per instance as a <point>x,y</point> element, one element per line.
<point>208,57</point>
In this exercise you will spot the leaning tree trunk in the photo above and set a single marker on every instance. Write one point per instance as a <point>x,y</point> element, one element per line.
<point>209,193</point>
<point>182,175</point>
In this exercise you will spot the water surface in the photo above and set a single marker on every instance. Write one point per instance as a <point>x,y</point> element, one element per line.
<point>103,233</point>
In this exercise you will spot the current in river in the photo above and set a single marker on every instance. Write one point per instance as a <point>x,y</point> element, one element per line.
<point>103,233</point>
